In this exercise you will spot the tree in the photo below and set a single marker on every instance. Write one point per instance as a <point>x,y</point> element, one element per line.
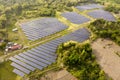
<point>17,9</point>
<point>3,21</point>
<point>79,60</point>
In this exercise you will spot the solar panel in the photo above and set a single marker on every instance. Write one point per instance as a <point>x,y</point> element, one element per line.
<point>55,42</point>
<point>75,17</point>
<point>29,62</point>
<point>45,51</point>
<point>40,28</point>
<point>42,53</point>
<point>22,63</point>
<point>43,57</point>
<point>98,14</point>
<point>42,61</point>
<point>20,68</point>
<point>33,60</point>
<point>51,45</point>
<point>89,6</point>
<point>48,49</point>
<point>18,72</point>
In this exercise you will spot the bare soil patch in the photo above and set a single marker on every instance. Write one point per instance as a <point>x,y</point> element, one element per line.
<point>58,75</point>
<point>105,52</point>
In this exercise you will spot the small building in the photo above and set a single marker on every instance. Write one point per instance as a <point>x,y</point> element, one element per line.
<point>15,47</point>
<point>15,29</point>
<point>12,47</point>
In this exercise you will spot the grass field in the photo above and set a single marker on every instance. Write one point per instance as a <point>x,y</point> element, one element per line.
<point>6,72</point>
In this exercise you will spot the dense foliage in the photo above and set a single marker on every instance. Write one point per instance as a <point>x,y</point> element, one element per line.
<point>111,1</point>
<point>113,8</point>
<point>106,29</point>
<point>80,61</point>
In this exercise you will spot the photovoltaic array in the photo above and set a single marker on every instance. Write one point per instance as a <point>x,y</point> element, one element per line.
<point>89,6</point>
<point>43,55</point>
<point>40,28</point>
<point>102,14</point>
<point>75,17</point>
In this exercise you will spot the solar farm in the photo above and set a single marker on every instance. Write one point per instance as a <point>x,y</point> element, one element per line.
<point>40,28</point>
<point>43,55</point>
<point>38,31</point>
<point>101,14</point>
<point>75,17</point>
<point>89,6</point>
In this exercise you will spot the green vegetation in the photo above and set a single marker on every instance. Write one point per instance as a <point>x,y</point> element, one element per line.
<point>113,8</point>
<point>106,29</point>
<point>109,1</point>
<point>6,72</point>
<point>79,60</point>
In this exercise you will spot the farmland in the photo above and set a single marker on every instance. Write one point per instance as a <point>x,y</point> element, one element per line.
<point>51,36</point>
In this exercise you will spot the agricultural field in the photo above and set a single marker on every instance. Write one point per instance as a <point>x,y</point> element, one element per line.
<point>41,39</point>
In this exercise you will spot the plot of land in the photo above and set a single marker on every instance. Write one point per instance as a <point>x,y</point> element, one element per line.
<point>44,55</point>
<point>89,6</point>
<point>101,14</point>
<point>75,18</point>
<point>42,27</point>
<point>106,57</point>
<point>58,75</point>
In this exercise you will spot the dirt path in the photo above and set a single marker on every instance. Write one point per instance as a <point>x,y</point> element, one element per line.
<point>106,57</point>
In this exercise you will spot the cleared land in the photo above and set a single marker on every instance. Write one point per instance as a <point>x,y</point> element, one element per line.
<point>105,54</point>
<point>58,75</point>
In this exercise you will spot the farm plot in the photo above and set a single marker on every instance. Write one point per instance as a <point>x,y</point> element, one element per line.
<point>44,55</point>
<point>41,28</point>
<point>102,14</point>
<point>89,6</point>
<point>75,17</point>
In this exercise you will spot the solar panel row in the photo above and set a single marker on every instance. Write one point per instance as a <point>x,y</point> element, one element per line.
<point>22,64</point>
<point>18,72</point>
<point>42,27</point>
<point>89,6</point>
<point>43,55</point>
<point>75,17</point>
<point>28,62</point>
<point>20,68</point>
<point>102,14</point>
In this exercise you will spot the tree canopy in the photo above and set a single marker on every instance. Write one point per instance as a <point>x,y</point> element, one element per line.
<point>106,29</point>
<point>79,60</point>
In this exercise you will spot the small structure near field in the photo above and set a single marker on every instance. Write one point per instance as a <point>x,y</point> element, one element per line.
<point>15,29</point>
<point>12,46</point>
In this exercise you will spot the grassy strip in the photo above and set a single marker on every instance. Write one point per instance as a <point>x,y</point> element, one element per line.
<point>6,72</point>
